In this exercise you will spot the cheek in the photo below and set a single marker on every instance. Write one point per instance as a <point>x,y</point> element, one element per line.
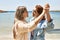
<point>26,15</point>
<point>36,14</point>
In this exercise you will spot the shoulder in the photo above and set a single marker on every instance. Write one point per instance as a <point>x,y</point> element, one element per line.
<point>18,24</point>
<point>22,24</point>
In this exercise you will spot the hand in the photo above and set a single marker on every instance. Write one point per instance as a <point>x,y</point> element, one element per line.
<point>47,15</point>
<point>46,8</point>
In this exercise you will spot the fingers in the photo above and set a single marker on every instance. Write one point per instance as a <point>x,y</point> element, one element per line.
<point>46,6</point>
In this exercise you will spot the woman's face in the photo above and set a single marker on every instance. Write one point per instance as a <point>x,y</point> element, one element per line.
<point>35,13</point>
<point>25,14</point>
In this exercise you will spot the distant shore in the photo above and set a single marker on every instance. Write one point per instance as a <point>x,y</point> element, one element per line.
<point>1,11</point>
<point>55,11</point>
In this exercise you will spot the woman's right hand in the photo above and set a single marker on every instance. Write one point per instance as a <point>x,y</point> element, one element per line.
<point>47,15</point>
<point>46,8</point>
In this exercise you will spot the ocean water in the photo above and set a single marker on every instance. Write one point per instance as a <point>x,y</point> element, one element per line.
<point>7,20</point>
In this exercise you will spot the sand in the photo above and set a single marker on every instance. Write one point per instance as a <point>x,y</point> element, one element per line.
<point>49,36</point>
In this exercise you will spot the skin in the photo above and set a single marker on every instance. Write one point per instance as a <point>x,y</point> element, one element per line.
<point>35,14</point>
<point>25,14</point>
<point>47,15</point>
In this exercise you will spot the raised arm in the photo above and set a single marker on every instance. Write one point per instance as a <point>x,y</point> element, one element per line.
<point>31,25</point>
<point>47,15</point>
<point>49,25</point>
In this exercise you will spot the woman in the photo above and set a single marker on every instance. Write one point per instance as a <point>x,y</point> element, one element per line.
<point>39,32</point>
<point>21,27</point>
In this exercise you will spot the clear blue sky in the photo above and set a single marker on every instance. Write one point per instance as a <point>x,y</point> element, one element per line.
<point>12,4</point>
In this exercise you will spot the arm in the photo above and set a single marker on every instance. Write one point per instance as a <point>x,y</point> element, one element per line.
<point>48,18</point>
<point>47,15</point>
<point>31,25</point>
<point>49,24</point>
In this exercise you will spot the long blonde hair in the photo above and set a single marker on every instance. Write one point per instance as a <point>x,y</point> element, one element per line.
<point>19,16</point>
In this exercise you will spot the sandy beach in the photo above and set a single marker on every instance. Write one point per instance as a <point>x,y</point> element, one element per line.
<point>52,36</point>
<point>6,34</point>
<point>48,37</point>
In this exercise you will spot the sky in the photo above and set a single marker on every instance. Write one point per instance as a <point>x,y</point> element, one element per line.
<point>11,5</point>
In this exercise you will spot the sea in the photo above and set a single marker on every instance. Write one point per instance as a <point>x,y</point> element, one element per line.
<point>7,21</point>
